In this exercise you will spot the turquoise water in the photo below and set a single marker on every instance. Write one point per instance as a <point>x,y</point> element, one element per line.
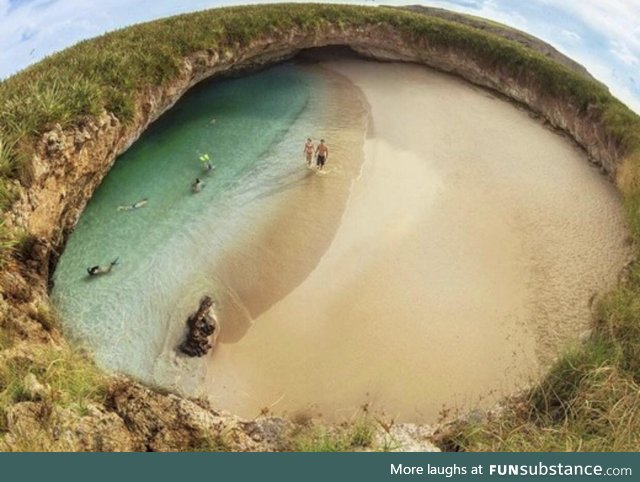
<point>253,128</point>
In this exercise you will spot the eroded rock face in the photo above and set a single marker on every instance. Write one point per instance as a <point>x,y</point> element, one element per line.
<point>202,330</point>
<point>167,422</point>
<point>41,426</point>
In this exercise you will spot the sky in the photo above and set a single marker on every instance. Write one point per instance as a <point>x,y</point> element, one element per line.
<point>602,35</point>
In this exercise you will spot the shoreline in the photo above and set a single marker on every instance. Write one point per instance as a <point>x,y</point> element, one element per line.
<point>296,226</point>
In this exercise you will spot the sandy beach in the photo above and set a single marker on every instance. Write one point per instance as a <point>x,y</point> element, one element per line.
<point>470,245</point>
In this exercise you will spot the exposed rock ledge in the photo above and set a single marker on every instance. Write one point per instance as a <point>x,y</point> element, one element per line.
<point>70,164</point>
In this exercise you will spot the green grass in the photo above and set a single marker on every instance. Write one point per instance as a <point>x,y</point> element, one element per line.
<point>8,195</point>
<point>73,380</point>
<point>320,439</point>
<point>590,398</point>
<point>587,402</point>
<point>356,434</point>
<point>362,432</point>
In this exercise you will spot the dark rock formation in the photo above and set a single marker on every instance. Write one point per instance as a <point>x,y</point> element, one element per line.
<point>201,325</point>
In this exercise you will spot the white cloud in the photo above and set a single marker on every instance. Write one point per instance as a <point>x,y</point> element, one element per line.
<point>618,20</point>
<point>572,36</point>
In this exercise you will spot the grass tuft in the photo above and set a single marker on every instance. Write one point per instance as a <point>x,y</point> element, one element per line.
<point>587,402</point>
<point>320,439</point>
<point>72,379</point>
<point>357,434</point>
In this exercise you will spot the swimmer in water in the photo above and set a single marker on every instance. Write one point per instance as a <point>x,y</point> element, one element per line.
<point>98,270</point>
<point>197,185</point>
<point>137,205</point>
<point>206,163</point>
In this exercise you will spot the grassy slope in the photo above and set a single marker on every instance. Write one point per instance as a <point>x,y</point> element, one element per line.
<point>503,31</point>
<point>590,399</point>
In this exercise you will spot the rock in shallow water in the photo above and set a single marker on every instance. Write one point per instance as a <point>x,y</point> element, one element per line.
<point>203,329</point>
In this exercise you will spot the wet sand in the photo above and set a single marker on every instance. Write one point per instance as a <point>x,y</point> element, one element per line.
<point>297,220</point>
<point>471,243</point>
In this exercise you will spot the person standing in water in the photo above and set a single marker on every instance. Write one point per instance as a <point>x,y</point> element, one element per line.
<point>322,154</point>
<point>308,150</point>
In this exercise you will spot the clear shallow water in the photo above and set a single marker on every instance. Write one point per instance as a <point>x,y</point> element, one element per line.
<point>168,249</point>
